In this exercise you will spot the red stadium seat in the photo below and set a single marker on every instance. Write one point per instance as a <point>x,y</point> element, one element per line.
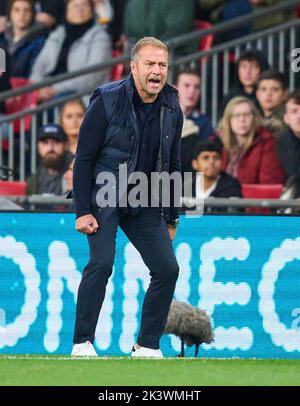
<point>12,188</point>
<point>205,43</point>
<point>22,102</point>
<point>117,71</point>
<point>19,103</point>
<point>261,192</point>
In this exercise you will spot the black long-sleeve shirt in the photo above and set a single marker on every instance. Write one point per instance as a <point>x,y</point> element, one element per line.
<point>88,149</point>
<point>94,124</point>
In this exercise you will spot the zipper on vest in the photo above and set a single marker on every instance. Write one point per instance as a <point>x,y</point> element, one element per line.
<point>160,162</point>
<point>134,147</point>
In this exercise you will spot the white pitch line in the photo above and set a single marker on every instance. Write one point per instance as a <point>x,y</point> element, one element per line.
<point>105,358</point>
<point>37,358</point>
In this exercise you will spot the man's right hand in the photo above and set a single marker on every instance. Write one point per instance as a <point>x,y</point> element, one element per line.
<point>87,224</point>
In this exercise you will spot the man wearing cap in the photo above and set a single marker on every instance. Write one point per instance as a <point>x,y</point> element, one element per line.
<point>54,162</point>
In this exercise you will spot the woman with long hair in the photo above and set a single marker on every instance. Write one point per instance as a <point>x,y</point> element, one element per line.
<point>23,38</point>
<point>249,151</point>
<point>71,116</point>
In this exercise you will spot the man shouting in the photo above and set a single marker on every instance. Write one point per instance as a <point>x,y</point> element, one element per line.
<point>137,122</point>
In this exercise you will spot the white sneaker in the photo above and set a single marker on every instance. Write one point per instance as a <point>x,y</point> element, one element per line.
<point>84,350</point>
<point>144,352</point>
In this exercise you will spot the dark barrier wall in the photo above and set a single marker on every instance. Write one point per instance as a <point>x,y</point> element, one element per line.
<point>243,270</point>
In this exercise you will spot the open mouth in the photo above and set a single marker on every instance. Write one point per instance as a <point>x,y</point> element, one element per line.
<point>154,81</point>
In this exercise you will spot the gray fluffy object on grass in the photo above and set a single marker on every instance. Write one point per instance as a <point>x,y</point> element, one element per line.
<point>191,324</point>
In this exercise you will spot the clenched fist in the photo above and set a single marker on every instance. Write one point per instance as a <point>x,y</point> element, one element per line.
<point>87,224</point>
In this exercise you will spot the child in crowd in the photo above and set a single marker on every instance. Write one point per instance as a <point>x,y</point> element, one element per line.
<point>217,183</point>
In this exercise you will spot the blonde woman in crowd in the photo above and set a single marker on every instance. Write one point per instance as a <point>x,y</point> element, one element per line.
<point>71,117</point>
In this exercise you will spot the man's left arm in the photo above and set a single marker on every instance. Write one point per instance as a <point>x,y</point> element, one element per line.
<point>175,166</point>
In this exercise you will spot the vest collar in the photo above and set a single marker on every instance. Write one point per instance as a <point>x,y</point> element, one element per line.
<point>168,95</point>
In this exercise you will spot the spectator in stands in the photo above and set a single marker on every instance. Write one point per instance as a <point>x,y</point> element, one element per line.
<point>163,19</point>
<point>76,45</point>
<point>188,83</point>
<point>47,12</point>
<point>197,126</point>
<point>54,162</point>
<point>288,145</point>
<point>71,117</point>
<point>271,90</point>
<point>216,182</point>
<point>23,38</point>
<point>249,152</point>
<point>248,68</point>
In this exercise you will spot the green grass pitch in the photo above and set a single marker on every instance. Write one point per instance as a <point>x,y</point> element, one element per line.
<point>114,371</point>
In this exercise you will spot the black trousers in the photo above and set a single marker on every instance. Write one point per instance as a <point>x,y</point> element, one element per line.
<point>149,234</point>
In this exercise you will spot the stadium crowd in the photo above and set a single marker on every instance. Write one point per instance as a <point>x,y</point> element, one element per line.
<point>257,139</point>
